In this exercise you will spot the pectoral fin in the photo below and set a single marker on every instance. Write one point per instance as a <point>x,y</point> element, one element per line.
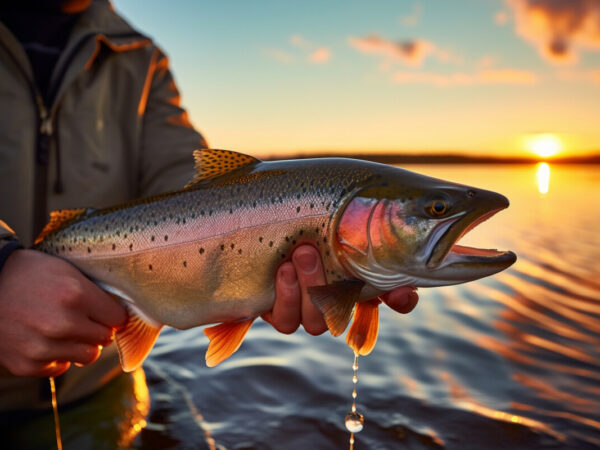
<point>225,339</point>
<point>362,335</point>
<point>136,338</point>
<point>336,302</point>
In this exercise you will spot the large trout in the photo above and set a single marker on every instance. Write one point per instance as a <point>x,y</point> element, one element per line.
<point>208,253</point>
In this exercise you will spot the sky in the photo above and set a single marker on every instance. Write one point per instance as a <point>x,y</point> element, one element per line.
<point>480,77</point>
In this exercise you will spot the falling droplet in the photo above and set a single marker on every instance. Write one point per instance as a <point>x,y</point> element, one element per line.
<point>354,422</point>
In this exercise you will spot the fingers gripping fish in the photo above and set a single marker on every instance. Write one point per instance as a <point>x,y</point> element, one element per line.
<point>208,254</point>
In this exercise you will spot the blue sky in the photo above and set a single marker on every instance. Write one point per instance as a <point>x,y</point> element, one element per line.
<point>476,76</point>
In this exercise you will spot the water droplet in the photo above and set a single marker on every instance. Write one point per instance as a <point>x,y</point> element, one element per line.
<point>354,422</point>
<point>355,379</point>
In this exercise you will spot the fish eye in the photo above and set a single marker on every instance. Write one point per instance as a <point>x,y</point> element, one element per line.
<point>437,208</point>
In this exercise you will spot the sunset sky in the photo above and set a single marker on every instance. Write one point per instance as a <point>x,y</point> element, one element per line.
<point>472,76</point>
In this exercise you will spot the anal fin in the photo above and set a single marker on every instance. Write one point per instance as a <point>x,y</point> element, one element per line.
<point>336,302</point>
<point>362,335</point>
<point>136,338</point>
<point>225,339</point>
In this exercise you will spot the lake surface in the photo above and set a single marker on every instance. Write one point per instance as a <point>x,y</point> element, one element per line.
<point>511,361</point>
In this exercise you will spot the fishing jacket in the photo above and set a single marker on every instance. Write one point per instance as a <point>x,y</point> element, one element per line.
<point>114,131</point>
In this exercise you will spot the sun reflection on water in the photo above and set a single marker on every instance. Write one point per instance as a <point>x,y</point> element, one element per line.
<point>543,177</point>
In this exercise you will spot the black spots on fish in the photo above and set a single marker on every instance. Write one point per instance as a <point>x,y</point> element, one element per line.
<point>193,215</point>
<point>325,239</point>
<point>70,249</point>
<point>166,237</point>
<point>323,225</point>
<point>273,200</point>
<point>125,236</point>
<point>230,211</point>
<point>155,222</point>
<point>202,212</point>
<point>298,209</point>
<point>326,252</point>
<point>294,242</point>
<point>201,251</point>
<point>287,239</point>
<point>131,229</point>
<point>62,247</point>
<point>298,196</point>
<point>317,230</point>
<point>210,212</point>
<point>150,267</point>
<point>185,264</point>
<point>270,243</point>
<point>152,238</point>
<point>130,247</point>
<point>283,256</point>
<point>254,204</point>
<point>232,246</point>
<point>89,250</point>
<point>301,232</point>
<point>260,239</point>
<point>114,247</point>
<point>312,205</point>
<point>239,251</point>
<point>222,247</point>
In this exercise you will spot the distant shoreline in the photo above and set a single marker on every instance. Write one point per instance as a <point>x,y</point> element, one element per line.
<point>449,158</point>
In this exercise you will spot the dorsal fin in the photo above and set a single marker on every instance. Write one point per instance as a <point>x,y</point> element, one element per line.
<point>59,219</point>
<point>212,163</point>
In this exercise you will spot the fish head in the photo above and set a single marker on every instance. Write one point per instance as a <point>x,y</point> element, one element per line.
<point>403,229</point>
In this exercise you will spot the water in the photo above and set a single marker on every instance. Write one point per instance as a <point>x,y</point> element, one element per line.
<point>511,361</point>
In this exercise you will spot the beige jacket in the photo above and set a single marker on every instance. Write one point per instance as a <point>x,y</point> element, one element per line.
<point>115,131</point>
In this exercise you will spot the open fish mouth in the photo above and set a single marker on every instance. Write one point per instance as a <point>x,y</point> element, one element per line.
<point>448,253</point>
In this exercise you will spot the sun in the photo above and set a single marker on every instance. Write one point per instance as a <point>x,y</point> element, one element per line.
<point>544,145</point>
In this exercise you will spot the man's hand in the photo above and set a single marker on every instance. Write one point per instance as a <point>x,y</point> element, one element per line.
<point>293,305</point>
<point>51,315</point>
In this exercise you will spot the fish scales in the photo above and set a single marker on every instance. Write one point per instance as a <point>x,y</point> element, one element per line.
<point>212,249</point>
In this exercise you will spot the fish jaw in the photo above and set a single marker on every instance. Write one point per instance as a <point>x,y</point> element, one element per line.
<point>456,263</point>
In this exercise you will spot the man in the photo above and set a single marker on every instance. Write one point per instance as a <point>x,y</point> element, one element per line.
<point>90,117</point>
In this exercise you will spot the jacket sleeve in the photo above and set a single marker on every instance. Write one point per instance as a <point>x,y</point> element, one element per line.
<point>168,138</point>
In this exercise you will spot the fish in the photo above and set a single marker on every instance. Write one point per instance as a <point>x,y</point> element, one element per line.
<point>207,254</point>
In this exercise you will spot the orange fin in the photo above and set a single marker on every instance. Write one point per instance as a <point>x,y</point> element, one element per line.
<point>225,339</point>
<point>362,335</point>
<point>58,220</point>
<point>212,163</point>
<point>136,338</point>
<point>336,302</point>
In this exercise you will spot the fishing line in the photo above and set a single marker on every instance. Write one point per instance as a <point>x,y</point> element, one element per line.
<point>55,411</point>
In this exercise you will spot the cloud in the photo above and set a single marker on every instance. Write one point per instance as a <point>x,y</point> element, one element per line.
<point>412,19</point>
<point>412,52</point>
<point>302,50</point>
<point>490,76</point>
<point>579,76</point>
<point>320,55</point>
<point>558,28</point>
<point>279,55</point>
<point>501,18</point>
